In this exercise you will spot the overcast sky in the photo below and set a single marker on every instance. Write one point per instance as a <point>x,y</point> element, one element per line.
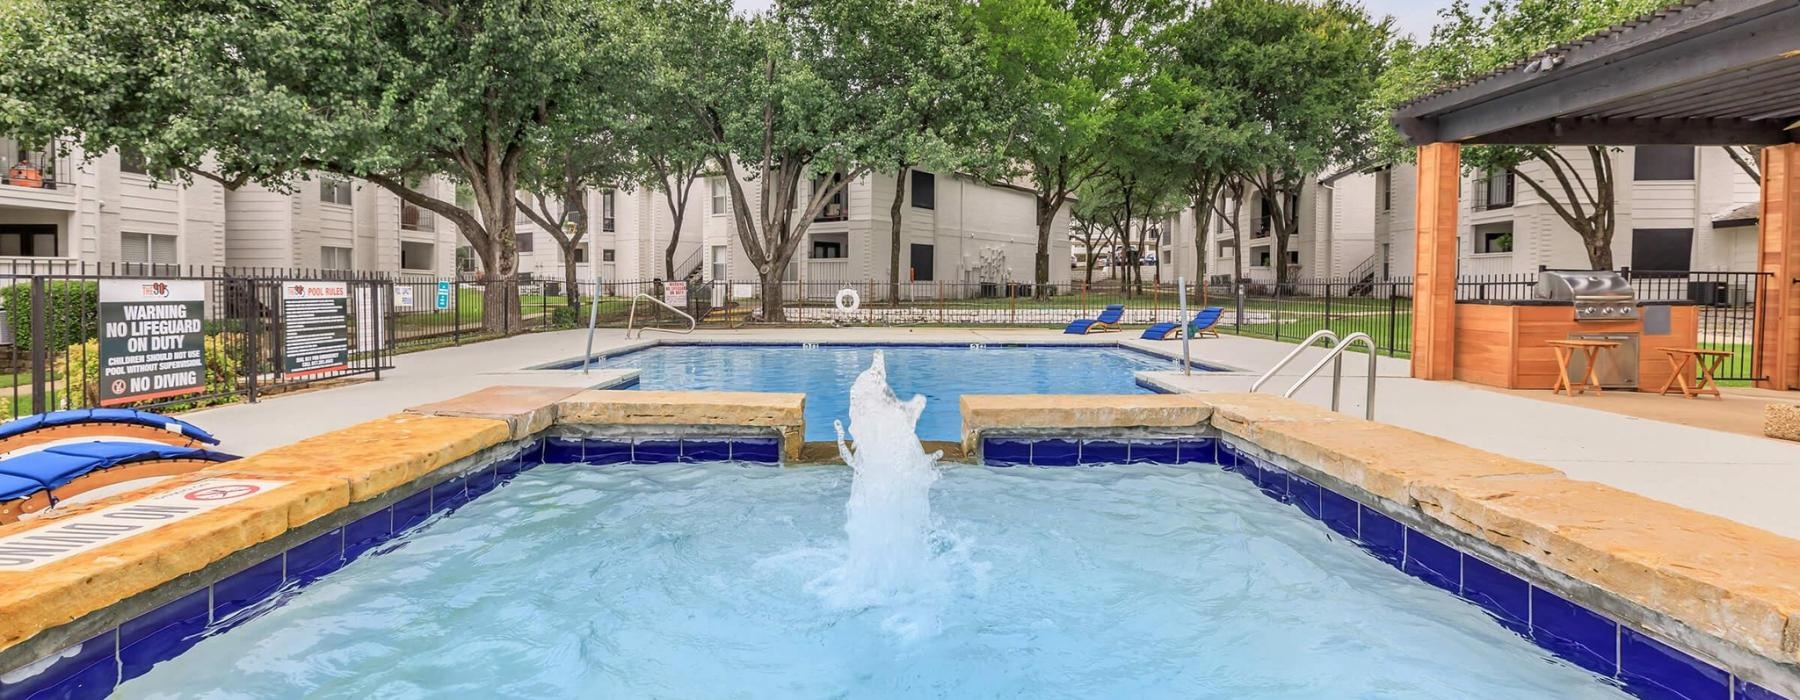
<point>1413,17</point>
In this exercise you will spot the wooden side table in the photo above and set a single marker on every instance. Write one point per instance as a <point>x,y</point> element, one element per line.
<point>1707,360</point>
<point>1565,349</point>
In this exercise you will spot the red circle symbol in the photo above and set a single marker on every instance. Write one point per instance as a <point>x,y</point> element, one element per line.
<point>220,493</point>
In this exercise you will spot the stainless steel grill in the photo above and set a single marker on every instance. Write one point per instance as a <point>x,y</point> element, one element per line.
<point>1598,295</point>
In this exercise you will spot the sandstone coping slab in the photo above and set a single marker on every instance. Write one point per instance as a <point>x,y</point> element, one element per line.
<point>981,413</point>
<point>528,410</point>
<point>1782,421</point>
<point>782,413</point>
<point>376,456</point>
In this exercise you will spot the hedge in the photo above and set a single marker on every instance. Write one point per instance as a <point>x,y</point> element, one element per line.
<point>72,316</point>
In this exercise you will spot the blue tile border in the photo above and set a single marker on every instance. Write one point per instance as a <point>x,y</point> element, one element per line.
<point>1643,665</point>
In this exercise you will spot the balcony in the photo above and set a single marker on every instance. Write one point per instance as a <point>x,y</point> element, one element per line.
<point>416,218</point>
<point>1494,192</point>
<point>30,166</point>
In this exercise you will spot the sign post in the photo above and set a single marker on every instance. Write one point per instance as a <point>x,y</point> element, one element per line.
<point>315,327</point>
<point>152,342</point>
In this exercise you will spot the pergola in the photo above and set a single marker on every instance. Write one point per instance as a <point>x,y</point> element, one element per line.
<point>1703,72</point>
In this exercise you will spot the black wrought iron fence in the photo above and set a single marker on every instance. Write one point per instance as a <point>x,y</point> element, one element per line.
<point>1727,311</point>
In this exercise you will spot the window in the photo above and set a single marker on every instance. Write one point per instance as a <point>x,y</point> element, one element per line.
<point>1496,190</point>
<point>1260,256</point>
<point>417,255</point>
<point>1384,182</point>
<point>525,242</point>
<point>1293,257</point>
<point>1662,249</point>
<point>924,190</point>
<point>581,254</point>
<point>606,210</point>
<point>718,262</point>
<point>720,193</point>
<point>924,257</point>
<point>1227,248</point>
<point>1265,216</point>
<point>836,208</point>
<point>132,160</point>
<point>29,240</point>
<point>827,250</point>
<point>1494,238</point>
<point>416,218</point>
<point>334,191</point>
<point>338,257</point>
<point>606,255</point>
<point>1663,163</point>
<point>147,248</point>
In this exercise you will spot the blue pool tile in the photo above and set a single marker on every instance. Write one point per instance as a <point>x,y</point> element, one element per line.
<point>1095,452</point>
<point>1273,481</point>
<point>482,481</point>
<point>656,451</point>
<point>449,495</point>
<point>1433,562</point>
<point>1201,450</point>
<point>1338,512</point>
<point>1745,690</point>
<point>693,451</point>
<point>87,670</point>
<point>1154,452</point>
<point>368,532</point>
<point>510,466</point>
<point>246,588</point>
<point>316,557</point>
<point>1005,452</point>
<point>412,510</point>
<point>1573,632</point>
<point>1503,595</point>
<point>596,451</point>
<point>1226,456</point>
<point>161,634</point>
<point>759,450</point>
<point>1657,671</point>
<point>1055,453</point>
<point>562,451</point>
<point>1383,536</point>
<point>1305,495</point>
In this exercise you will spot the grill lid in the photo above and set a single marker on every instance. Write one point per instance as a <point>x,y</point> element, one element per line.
<point>1578,285</point>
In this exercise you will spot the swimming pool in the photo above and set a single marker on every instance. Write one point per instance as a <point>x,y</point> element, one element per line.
<point>941,373</point>
<point>1139,581</point>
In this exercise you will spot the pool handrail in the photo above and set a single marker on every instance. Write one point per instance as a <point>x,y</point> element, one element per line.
<point>631,318</point>
<point>1304,344</point>
<point>593,322</point>
<point>1336,357</point>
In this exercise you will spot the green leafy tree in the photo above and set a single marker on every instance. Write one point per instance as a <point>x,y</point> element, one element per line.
<point>1578,183</point>
<point>555,184</point>
<point>666,130</point>
<point>389,92</point>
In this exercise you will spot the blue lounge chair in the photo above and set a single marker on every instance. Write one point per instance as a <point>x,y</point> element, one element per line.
<point>1200,327</point>
<point>89,424</point>
<point>39,479</point>
<point>1108,321</point>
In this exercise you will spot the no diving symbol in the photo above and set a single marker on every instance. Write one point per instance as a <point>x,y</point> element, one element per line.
<point>118,387</point>
<point>221,493</point>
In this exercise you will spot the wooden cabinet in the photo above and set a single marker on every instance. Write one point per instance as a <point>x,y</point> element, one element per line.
<point>1504,345</point>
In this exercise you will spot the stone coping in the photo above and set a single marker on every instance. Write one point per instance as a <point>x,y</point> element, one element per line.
<point>782,414</point>
<point>1718,577</point>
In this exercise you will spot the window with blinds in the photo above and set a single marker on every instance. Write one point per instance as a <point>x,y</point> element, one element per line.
<point>334,191</point>
<point>147,248</point>
<point>334,258</point>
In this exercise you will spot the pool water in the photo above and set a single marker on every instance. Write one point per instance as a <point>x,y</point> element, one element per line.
<point>689,581</point>
<point>942,373</point>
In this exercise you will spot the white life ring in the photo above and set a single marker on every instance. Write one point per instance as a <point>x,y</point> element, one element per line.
<point>848,300</point>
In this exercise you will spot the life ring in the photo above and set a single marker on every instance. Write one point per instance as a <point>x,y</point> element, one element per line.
<point>848,300</point>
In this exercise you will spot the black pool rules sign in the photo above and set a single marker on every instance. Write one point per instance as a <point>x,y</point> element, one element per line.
<point>152,339</point>
<point>316,327</point>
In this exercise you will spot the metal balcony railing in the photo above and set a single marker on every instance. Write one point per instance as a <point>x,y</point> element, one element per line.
<point>35,166</point>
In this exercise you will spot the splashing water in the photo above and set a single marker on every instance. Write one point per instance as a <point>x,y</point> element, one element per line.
<point>890,560</point>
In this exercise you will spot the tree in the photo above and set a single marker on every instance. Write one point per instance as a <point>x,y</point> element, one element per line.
<point>389,92</point>
<point>666,132</point>
<point>1576,182</point>
<point>1748,159</point>
<point>555,184</point>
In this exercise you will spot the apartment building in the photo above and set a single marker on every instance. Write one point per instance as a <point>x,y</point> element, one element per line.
<point>58,208</point>
<point>1335,236</point>
<point>1678,208</point>
<point>626,241</point>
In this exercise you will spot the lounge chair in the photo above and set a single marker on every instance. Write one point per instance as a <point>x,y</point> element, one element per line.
<point>1200,327</point>
<point>90,424</point>
<point>39,479</point>
<point>1108,321</point>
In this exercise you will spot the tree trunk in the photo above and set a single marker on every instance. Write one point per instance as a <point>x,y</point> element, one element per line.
<point>571,283</point>
<point>894,241</point>
<point>772,290</point>
<point>500,312</point>
<point>1046,216</point>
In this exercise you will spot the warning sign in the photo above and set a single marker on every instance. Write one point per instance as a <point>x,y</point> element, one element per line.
<point>675,294</point>
<point>29,549</point>
<point>315,319</point>
<point>152,339</point>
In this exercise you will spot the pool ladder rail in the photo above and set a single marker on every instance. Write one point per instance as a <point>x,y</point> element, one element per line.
<point>1335,356</point>
<point>631,318</point>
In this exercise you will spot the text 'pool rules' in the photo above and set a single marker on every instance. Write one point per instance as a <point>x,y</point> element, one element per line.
<point>315,327</point>
<point>152,339</point>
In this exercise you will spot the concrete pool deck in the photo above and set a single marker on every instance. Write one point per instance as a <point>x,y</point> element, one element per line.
<point>1744,478</point>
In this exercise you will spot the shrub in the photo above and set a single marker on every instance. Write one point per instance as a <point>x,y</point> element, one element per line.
<point>71,317</point>
<point>564,316</point>
<point>79,368</point>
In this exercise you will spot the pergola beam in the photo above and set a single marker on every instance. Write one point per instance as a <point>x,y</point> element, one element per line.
<point>1641,132</point>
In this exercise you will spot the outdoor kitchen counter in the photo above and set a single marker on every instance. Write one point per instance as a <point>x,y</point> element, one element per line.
<point>1564,304</point>
<point>1505,343</point>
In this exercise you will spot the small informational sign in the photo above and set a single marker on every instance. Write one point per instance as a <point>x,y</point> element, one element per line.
<point>443,296</point>
<point>675,294</point>
<point>30,549</point>
<point>315,335</point>
<point>152,339</point>
<point>403,296</point>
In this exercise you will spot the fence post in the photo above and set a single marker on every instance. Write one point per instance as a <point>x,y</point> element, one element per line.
<point>252,333</point>
<point>1278,286</point>
<point>1239,319</point>
<point>1012,302</point>
<point>940,300</point>
<point>1393,336</point>
<point>456,309</point>
<point>39,338</point>
<point>1328,303</point>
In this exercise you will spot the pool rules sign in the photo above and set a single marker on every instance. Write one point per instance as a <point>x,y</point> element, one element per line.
<point>316,321</point>
<point>152,339</point>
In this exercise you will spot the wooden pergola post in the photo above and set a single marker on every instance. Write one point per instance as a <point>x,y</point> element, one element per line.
<point>1778,255</point>
<point>1434,266</point>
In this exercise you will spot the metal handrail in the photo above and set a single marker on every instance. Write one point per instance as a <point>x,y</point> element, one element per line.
<point>1310,340</point>
<point>631,318</point>
<point>1336,357</point>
